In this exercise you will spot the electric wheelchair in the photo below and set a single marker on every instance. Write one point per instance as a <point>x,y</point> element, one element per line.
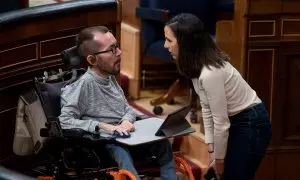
<point>74,153</point>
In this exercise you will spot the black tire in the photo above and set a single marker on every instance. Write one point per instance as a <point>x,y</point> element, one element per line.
<point>158,110</point>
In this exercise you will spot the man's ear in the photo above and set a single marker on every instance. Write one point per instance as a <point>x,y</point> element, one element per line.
<point>91,60</point>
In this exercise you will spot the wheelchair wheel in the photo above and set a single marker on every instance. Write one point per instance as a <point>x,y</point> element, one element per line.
<point>182,166</point>
<point>158,110</point>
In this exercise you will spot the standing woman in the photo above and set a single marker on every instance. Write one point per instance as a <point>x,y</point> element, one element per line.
<point>237,125</point>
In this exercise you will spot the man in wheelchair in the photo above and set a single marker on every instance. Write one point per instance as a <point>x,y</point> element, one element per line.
<point>95,102</point>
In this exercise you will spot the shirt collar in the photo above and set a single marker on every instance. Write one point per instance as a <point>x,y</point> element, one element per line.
<point>99,79</point>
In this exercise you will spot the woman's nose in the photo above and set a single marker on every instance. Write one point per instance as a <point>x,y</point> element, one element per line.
<point>165,44</point>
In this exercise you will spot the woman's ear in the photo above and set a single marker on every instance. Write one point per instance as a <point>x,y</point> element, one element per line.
<point>91,60</point>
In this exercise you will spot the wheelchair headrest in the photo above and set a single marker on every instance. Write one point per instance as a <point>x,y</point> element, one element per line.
<point>71,57</point>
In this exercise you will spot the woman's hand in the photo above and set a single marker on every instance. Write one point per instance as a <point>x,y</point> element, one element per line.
<point>211,160</point>
<point>219,168</point>
<point>211,155</point>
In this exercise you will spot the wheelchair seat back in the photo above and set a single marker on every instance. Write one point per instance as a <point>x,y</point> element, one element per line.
<point>49,91</point>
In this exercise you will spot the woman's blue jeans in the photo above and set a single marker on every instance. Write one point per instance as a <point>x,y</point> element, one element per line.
<point>249,137</point>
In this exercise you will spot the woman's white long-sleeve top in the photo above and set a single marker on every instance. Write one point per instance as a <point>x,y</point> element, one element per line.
<point>223,93</point>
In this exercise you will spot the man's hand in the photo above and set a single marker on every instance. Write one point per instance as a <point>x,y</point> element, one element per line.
<point>112,128</point>
<point>127,125</point>
<point>121,130</point>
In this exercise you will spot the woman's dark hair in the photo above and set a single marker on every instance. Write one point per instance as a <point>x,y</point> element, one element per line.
<point>196,47</point>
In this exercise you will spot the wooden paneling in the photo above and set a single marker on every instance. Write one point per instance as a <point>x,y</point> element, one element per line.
<point>260,73</point>
<point>267,36</point>
<point>262,28</point>
<point>128,12</point>
<point>240,30</point>
<point>40,25</point>
<point>288,80</point>
<point>30,47</point>
<point>26,52</point>
<point>131,64</point>
<point>279,165</point>
<point>290,6</point>
<point>292,123</point>
<point>267,168</point>
<point>264,6</point>
<point>290,27</point>
<point>287,166</point>
<point>53,47</point>
<point>281,87</point>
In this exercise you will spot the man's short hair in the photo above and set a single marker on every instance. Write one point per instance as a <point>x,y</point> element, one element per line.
<point>85,43</point>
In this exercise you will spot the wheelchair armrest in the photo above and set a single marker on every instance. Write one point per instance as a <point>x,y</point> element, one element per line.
<point>152,14</point>
<point>53,128</point>
<point>77,133</point>
<point>73,133</point>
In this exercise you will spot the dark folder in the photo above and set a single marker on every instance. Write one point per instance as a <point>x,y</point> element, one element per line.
<point>176,123</point>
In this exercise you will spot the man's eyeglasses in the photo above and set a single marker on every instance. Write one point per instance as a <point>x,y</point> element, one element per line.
<point>113,49</point>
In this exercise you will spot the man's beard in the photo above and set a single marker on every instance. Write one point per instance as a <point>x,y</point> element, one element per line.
<point>117,67</point>
<point>115,70</point>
